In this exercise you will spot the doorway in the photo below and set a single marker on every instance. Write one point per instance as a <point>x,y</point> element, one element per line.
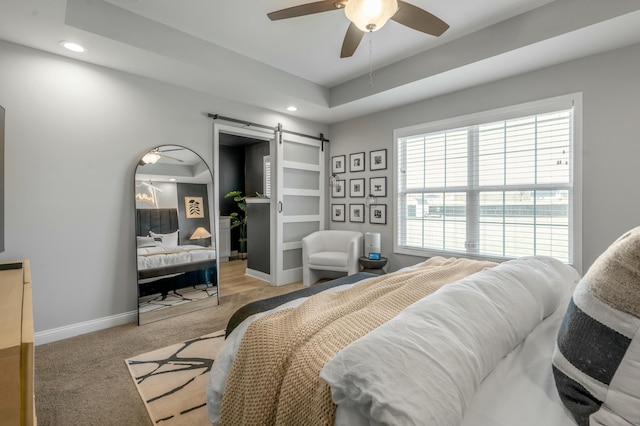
<point>241,163</point>
<point>238,163</point>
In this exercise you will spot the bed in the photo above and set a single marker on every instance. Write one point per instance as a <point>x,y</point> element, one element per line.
<point>165,265</point>
<point>524,342</point>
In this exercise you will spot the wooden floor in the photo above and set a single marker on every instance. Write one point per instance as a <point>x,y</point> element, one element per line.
<point>233,279</point>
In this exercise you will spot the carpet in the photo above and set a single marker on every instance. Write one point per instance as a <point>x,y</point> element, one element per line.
<point>172,380</point>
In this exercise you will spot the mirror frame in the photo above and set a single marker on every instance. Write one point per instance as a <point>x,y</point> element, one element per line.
<point>182,276</point>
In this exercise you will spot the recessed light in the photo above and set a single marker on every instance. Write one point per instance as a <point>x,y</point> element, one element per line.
<point>292,108</point>
<point>74,47</point>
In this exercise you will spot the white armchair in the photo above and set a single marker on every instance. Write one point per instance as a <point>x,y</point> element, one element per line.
<point>330,253</point>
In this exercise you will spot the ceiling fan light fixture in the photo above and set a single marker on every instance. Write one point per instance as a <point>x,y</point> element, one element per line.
<point>150,158</point>
<point>370,15</point>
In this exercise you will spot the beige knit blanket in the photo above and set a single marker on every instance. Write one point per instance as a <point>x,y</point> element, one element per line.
<point>275,380</point>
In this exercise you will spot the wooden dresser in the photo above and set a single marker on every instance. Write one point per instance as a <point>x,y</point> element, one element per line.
<point>16,345</point>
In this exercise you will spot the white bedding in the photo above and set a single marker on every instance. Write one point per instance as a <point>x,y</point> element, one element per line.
<point>520,390</point>
<point>157,256</point>
<point>443,346</point>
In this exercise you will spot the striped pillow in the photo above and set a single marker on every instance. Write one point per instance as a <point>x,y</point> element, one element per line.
<point>596,362</point>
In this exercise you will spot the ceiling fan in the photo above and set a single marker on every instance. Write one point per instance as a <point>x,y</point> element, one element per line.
<point>368,16</point>
<point>155,154</point>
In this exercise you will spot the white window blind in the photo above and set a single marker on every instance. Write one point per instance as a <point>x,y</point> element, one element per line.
<point>266,161</point>
<point>501,189</point>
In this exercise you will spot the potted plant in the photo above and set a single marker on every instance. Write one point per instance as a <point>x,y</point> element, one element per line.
<point>240,220</point>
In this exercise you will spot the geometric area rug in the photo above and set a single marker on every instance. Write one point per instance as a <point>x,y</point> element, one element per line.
<point>172,381</point>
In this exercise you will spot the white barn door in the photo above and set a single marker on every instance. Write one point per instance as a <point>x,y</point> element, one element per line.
<point>300,202</point>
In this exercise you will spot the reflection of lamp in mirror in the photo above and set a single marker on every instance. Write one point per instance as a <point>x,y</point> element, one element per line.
<point>200,234</point>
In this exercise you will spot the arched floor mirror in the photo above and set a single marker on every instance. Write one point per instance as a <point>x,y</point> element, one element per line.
<point>177,261</point>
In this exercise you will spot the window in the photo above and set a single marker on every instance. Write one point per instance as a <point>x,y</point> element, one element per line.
<point>266,173</point>
<point>499,184</point>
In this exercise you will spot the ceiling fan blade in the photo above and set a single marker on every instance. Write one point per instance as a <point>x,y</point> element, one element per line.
<point>170,158</point>
<point>351,41</point>
<point>419,19</point>
<point>303,9</point>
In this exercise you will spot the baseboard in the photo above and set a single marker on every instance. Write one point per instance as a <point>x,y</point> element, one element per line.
<point>258,275</point>
<point>61,333</point>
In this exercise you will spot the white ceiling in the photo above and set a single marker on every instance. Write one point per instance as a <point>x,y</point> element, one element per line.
<point>232,50</point>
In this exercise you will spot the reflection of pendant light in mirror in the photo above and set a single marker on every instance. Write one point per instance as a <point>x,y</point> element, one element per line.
<point>200,233</point>
<point>370,15</point>
<point>150,158</point>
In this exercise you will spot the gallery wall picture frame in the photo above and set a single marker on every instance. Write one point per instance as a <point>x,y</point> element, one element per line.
<point>193,207</point>
<point>338,189</point>
<point>356,213</point>
<point>337,213</point>
<point>378,186</point>
<point>356,162</point>
<point>378,214</point>
<point>356,188</point>
<point>378,160</point>
<point>338,164</point>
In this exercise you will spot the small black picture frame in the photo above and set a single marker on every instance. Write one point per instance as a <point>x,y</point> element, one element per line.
<point>378,214</point>
<point>378,160</point>
<point>356,162</point>
<point>338,190</point>
<point>337,213</point>
<point>356,213</point>
<point>356,188</point>
<point>338,164</point>
<point>378,186</point>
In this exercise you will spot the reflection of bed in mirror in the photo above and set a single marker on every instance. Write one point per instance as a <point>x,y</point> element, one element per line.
<point>166,267</point>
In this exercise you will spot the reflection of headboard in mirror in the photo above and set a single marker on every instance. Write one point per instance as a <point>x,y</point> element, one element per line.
<point>160,221</point>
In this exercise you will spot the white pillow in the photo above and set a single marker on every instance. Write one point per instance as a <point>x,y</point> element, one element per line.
<point>166,239</point>
<point>145,242</point>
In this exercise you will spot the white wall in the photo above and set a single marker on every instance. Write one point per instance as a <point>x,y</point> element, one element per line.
<point>74,134</point>
<point>610,83</point>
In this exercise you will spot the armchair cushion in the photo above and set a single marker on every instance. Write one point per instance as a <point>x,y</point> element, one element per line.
<point>331,250</point>
<point>329,258</point>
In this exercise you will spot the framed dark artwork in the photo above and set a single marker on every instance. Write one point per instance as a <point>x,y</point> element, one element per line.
<point>337,213</point>
<point>338,190</point>
<point>356,188</point>
<point>378,214</point>
<point>193,207</point>
<point>338,164</point>
<point>356,162</point>
<point>378,186</point>
<point>378,160</point>
<point>356,213</point>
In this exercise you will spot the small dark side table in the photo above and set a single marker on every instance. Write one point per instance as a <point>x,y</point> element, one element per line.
<point>373,266</point>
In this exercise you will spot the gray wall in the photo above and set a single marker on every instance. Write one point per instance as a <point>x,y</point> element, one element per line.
<point>74,135</point>
<point>188,226</point>
<point>610,84</point>
<point>253,168</point>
